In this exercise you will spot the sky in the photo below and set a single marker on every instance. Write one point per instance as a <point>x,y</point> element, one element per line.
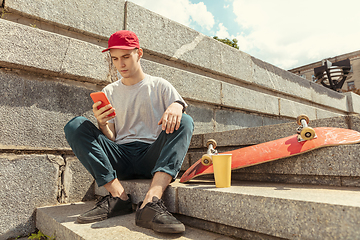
<point>285,33</point>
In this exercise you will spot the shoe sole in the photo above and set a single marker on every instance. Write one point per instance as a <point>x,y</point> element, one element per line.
<point>162,228</point>
<point>91,220</point>
<point>102,217</point>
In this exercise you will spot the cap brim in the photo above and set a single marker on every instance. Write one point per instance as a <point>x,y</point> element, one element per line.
<point>119,47</point>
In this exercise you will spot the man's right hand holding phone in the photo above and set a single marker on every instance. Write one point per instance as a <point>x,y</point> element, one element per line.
<point>103,115</point>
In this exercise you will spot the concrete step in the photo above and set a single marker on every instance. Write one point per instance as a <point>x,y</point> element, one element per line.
<point>333,166</point>
<point>257,210</point>
<point>59,221</point>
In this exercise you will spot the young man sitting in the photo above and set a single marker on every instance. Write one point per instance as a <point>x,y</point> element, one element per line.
<point>148,138</point>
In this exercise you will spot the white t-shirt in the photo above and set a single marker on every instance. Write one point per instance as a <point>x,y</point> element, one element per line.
<point>139,108</point>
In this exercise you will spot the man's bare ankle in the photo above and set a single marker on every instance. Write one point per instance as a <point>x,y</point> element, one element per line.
<point>124,196</point>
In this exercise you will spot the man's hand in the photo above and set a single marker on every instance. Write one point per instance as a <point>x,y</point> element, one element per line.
<point>102,114</point>
<point>171,118</point>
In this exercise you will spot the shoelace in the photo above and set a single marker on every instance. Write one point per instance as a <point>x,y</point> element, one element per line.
<point>102,200</point>
<point>161,204</point>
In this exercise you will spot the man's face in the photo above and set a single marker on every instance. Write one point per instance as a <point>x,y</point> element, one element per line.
<point>127,62</point>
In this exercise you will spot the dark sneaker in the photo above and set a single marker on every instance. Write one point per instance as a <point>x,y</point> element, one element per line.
<point>107,207</point>
<point>156,217</point>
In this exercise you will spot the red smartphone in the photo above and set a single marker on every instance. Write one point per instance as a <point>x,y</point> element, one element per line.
<point>100,96</point>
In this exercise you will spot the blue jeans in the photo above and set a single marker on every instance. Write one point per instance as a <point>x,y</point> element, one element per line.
<point>106,160</point>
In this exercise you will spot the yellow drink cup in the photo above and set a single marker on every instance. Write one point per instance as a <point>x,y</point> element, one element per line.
<point>222,170</point>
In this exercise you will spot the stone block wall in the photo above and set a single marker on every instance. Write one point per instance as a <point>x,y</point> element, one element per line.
<point>51,60</point>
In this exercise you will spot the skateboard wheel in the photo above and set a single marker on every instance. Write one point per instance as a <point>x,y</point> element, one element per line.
<point>307,133</point>
<point>211,141</point>
<point>206,160</point>
<point>302,116</point>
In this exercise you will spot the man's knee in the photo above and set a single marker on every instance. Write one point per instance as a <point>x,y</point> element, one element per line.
<point>187,122</point>
<point>73,124</point>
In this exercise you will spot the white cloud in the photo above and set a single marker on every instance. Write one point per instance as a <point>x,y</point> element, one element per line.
<point>292,33</point>
<point>198,12</point>
<point>223,31</point>
<point>182,11</point>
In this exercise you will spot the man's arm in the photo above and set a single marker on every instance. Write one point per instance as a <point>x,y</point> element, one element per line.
<point>171,118</point>
<point>108,129</point>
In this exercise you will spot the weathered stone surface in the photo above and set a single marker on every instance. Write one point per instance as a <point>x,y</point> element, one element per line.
<point>337,181</point>
<point>274,120</point>
<point>196,141</point>
<point>250,136</point>
<point>190,85</point>
<point>38,50</point>
<point>353,102</point>
<point>27,182</point>
<point>226,120</point>
<point>203,117</point>
<point>320,114</point>
<point>78,182</point>
<point>247,99</point>
<point>27,46</point>
<point>272,77</point>
<point>354,122</point>
<point>81,16</point>
<point>39,109</point>
<point>86,61</point>
<point>327,97</point>
<point>293,109</point>
<point>291,212</point>
<point>336,122</point>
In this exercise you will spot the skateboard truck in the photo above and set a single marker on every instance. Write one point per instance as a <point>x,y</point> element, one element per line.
<point>304,131</point>
<point>206,159</point>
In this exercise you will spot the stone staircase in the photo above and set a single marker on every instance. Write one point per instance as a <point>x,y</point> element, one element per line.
<point>311,196</point>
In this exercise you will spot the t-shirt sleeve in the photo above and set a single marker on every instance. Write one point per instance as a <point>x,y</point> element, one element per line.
<point>170,94</point>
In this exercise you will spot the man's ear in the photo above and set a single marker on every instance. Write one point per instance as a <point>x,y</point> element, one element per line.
<point>140,53</point>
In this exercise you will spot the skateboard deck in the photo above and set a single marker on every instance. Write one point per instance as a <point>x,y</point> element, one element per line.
<point>278,149</point>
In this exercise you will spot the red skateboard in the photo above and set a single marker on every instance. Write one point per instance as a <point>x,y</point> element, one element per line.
<point>306,140</point>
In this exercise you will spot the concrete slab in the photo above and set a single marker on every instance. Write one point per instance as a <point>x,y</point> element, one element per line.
<point>324,96</point>
<point>293,109</point>
<point>27,182</point>
<point>321,114</point>
<point>353,102</point>
<point>40,109</point>
<point>256,135</point>
<point>190,85</point>
<point>286,211</point>
<point>247,99</point>
<point>78,183</point>
<point>52,54</point>
<point>81,16</point>
<point>60,220</point>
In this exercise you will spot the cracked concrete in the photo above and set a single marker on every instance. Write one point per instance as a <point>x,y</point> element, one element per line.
<point>63,188</point>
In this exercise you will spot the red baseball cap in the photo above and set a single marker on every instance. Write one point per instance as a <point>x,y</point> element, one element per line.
<point>123,39</point>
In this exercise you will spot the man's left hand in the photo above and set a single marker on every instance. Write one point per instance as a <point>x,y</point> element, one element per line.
<point>171,118</point>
